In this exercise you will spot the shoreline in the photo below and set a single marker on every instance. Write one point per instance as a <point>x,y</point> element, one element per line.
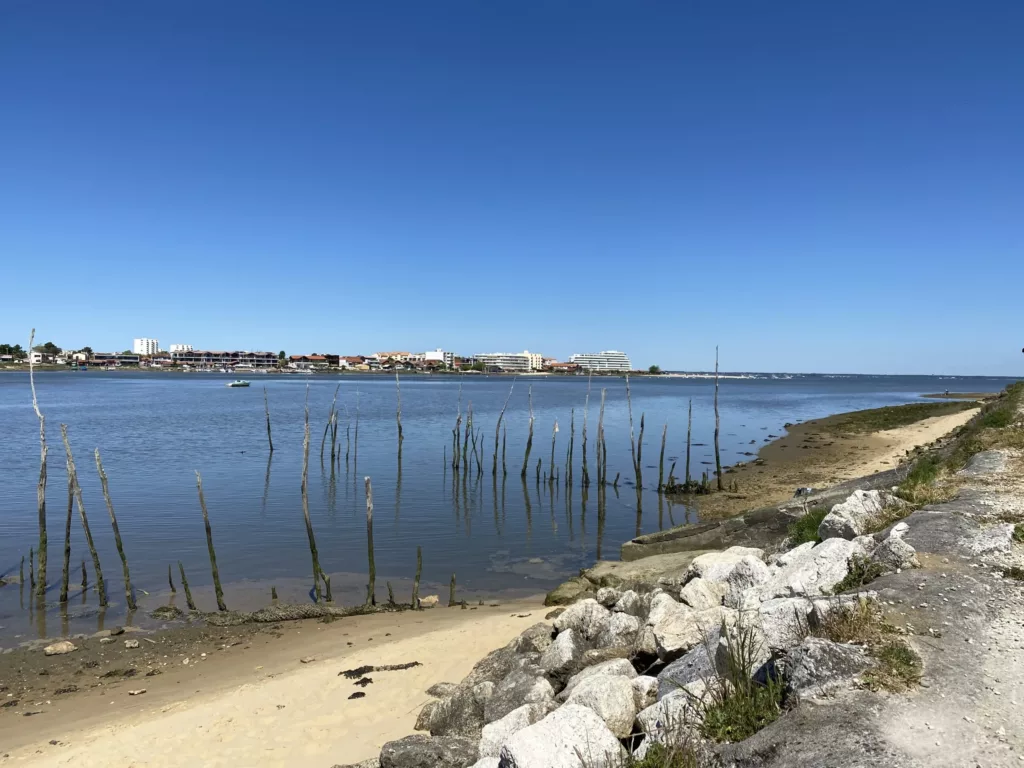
<point>246,697</point>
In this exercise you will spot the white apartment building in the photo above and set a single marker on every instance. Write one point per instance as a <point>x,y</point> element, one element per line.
<point>518,362</point>
<point>440,356</point>
<point>181,348</point>
<point>609,360</point>
<point>145,346</point>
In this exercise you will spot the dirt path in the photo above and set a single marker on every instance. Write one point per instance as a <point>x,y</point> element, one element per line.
<point>261,706</point>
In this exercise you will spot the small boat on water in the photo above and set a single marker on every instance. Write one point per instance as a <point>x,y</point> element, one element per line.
<point>239,383</point>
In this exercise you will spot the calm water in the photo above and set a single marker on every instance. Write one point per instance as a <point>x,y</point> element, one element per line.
<point>155,430</point>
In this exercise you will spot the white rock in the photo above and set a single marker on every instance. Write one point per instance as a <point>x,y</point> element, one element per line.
<point>622,630</point>
<point>851,518</point>
<point>613,667</point>
<point>570,737</point>
<point>497,733</point>
<point>674,714</point>
<point>565,651</point>
<point>867,543</point>
<point>60,648</point>
<point>716,566</point>
<point>645,691</point>
<point>130,644</point>
<point>788,557</point>
<point>611,697</point>
<point>900,529</point>
<point>784,621</point>
<point>429,601</point>
<point>630,603</point>
<point>608,596</point>
<point>742,645</point>
<point>518,688</point>
<point>814,572</point>
<point>894,553</point>
<point>588,617</point>
<point>701,594</point>
<point>487,762</point>
<point>749,572</point>
<point>678,628</point>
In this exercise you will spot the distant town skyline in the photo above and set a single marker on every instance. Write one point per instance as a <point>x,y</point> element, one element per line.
<point>812,186</point>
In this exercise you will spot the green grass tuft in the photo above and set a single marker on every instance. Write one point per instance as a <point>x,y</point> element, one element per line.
<point>862,572</point>
<point>661,756</point>
<point>891,417</point>
<point>1018,533</point>
<point>806,528</point>
<point>899,668</point>
<point>1014,572</point>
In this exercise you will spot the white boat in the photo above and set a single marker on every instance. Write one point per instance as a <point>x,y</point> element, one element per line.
<point>239,383</point>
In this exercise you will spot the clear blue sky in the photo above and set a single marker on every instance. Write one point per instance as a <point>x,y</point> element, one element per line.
<point>814,186</point>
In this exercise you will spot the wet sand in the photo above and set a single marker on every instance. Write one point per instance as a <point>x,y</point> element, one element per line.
<point>813,455</point>
<point>250,700</point>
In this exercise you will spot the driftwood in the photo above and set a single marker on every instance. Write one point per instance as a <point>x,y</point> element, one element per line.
<point>41,488</point>
<point>101,588</point>
<point>209,545</point>
<point>128,593</point>
<point>293,612</point>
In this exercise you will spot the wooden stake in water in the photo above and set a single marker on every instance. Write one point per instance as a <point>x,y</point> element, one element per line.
<point>128,593</point>
<point>266,408</point>
<point>551,466</point>
<point>391,594</point>
<point>451,592</point>
<point>41,488</point>
<point>273,593</point>
<point>661,460</point>
<point>586,409</point>
<point>305,505</point>
<point>65,576</point>
<point>504,443</point>
<point>85,577</point>
<point>184,585</point>
<point>330,420</point>
<point>371,597</point>
<point>497,428</point>
<point>718,456</point>
<point>572,440</point>
<point>689,432</point>
<point>101,588</point>
<point>632,438</point>
<point>209,545</point>
<point>31,569</point>
<point>398,414</point>
<point>416,580</point>
<point>601,460</point>
<point>529,437</point>
<point>170,580</point>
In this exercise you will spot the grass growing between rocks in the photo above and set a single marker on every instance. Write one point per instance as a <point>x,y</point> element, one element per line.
<point>863,571</point>
<point>806,528</point>
<point>661,756</point>
<point>897,668</point>
<point>1014,572</point>
<point>1018,533</point>
<point>737,706</point>
<point>997,426</point>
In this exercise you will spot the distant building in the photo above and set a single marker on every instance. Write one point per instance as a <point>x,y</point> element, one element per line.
<point>514,362</point>
<point>398,357</point>
<point>113,359</point>
<point>145,346</point>
<point>212,359</point>
<point>602,361</point>
<point>563,367</point>
<point>439,356</point>
<point>180,348</point>
<point>40,358</point>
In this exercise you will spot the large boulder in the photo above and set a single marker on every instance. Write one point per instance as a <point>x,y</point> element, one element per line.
<point>564,654</point>
<point>645,691</point>
<point>608,596</point>
<point>526,685</point>
<point>748,573</point>
<point>677,628</point>
<point>701,594</point>
<point>622,630</point>
<point>894,554</point>
<point>612,667</point>
<point>742,651</point>
<point>497,733</point>
<point>611,697</point>
<point>716,566</point>
<point>588,617</point>
<point>823,608</point>
<point>573,589</point>
<point>695,665</point>
<point>536,639</point>
<point>852,518</point>
<point>570,737</point>
<point>674,715</point>
<point>784,621</point>
<point>630,602</point>
<point>814,572</point>
<point>819,666</point>
<point>459,713</point>
<point>429,752</point>
<point>788,557</point>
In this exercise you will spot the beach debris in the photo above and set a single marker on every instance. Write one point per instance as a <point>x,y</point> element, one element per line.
<point>116,631</point>
<point>66,689</point>
<point>60,648</point>
<point>167,613</point>
<point>131,644</point>
<point>137,692</point>
<point>358,672</point>
<point>429,601</point>
<point>357,695</point>
<point>363,682</point>
<point>106,640</point>
<point>307,659</point>
<point>154,673</point>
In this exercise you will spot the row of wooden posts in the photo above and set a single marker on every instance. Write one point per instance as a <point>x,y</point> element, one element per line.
<point>462,456</point>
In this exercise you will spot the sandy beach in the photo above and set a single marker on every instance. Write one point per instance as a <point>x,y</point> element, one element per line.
<point>259,704</point>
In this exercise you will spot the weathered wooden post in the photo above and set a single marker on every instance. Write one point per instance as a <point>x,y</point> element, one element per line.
<point>209,545</point>
<point>170,580</point>
<point>497,428</point>
<point>41,488</point>
<point>586,409</point>
<point>184,585</point>
<point>529,437</point>
<point>416,580</point>
<point>266,409</point>
<point>689,432</point>
<point>398,416</point>
<point>101,589</point>
<point>129,595</point>
<point>718,456</point>
<point>305,507</point>
<point>371,597</point>
<point>65,575</point>
<point>551,465</point>
<point>661,460</point>
<point>451,592</point>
